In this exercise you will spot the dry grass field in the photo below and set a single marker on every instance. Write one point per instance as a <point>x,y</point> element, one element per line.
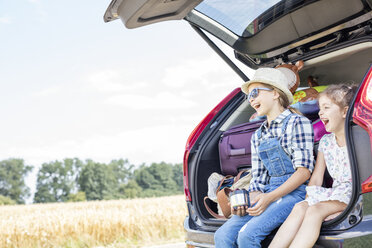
<point>111,224</point>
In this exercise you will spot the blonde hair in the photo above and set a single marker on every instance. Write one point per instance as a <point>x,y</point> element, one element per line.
<point>340,94</point>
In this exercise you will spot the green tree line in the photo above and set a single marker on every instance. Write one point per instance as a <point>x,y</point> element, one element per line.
<point>75,180</point>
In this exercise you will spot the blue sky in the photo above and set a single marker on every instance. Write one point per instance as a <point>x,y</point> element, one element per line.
<point>74,86</point>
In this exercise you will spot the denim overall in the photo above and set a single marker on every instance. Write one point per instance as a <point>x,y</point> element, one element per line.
<point>249,231</point>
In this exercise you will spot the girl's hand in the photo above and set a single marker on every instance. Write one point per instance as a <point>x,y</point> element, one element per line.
<point>241,211</point>
<point>262,202</point>
<point>253,195</point>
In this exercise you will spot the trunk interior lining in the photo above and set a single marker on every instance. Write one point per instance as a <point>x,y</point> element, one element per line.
<point>326,69</point>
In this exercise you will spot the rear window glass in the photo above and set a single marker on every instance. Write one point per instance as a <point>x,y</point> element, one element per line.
<point>235,15</point>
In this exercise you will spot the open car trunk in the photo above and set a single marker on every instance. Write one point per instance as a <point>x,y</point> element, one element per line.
<point>354,61</point>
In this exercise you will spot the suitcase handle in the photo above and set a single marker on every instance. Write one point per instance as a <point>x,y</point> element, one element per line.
<point>236,152</point>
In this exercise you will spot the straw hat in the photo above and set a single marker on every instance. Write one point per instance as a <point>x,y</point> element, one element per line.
<point>280,78</point>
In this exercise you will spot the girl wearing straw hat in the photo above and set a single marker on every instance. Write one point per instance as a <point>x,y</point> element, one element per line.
<point>282,161</point>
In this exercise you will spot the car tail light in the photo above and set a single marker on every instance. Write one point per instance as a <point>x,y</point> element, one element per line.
<point>363,116</point>
<point>195,135</point>
<point>367,185</point>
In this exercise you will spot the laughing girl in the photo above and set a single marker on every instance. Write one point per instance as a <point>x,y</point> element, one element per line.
<point>302,227</point>
<point>282,160</point>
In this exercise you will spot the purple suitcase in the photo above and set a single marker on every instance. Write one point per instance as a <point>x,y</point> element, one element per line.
<point>235,147</point>
<point>319,130</point>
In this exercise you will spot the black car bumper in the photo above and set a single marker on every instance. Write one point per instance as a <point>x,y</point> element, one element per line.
<point>198,238</point>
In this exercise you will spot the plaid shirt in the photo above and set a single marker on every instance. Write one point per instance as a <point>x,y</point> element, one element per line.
<point>297,141</point>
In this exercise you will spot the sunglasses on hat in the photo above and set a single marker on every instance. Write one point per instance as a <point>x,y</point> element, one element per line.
<point>254,93</point>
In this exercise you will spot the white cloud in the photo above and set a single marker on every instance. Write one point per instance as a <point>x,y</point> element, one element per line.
<point>201,74</point>
<point>34,1</point>
<point>163,100</point>
<point>190,93</point>
<point>145,145</point>
<point>190,72</point>
<point>5,20</point>
<point>48,91</point>
<point>112,81</point>
<point>150,144</point>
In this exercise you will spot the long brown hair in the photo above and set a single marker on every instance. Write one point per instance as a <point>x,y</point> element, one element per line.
<point>340,94</point>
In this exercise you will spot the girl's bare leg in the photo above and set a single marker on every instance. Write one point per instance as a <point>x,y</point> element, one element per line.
<point>310,227</point>
<point>332,216</point>
<point>289,228</point>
